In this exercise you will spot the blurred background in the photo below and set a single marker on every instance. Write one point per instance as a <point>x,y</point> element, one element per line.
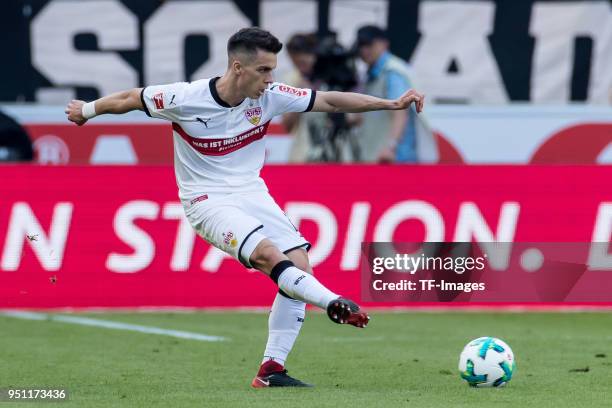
<point>515,143</point>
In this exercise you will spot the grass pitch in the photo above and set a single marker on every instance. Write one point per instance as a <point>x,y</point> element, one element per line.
<point>401,359</point>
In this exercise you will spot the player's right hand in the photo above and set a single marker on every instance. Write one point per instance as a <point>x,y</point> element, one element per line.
<point>409,97</point>
<point>74,110</point>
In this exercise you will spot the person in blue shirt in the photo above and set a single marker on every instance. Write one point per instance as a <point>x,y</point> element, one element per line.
<point>386,137</point>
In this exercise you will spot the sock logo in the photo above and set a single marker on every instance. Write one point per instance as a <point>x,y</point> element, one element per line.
<point>299,279</point>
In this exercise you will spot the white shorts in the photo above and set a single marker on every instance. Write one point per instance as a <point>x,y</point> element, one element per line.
<point>236,223</point>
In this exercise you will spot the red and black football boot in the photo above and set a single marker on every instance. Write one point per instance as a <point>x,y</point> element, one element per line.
<point>272,374</point>
<point>345,311</point>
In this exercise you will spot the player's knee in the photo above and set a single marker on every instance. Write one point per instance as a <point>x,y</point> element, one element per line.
<point>265,256</point>
<point>299,257</point>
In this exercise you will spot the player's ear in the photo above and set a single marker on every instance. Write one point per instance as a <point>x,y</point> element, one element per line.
<point>237,67</point>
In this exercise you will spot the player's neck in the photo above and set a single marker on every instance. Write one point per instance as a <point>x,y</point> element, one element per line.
<point>227,90</point>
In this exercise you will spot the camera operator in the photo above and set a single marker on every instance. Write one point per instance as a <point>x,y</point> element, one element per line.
<point>302,52</point>
<point>332,135</point>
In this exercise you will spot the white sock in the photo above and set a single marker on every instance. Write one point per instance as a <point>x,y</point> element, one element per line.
<point>305,287</point>
<point>284,324</point>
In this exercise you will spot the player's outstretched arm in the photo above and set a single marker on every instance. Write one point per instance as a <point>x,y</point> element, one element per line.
<point>121,102</point>
<point>354,102</point>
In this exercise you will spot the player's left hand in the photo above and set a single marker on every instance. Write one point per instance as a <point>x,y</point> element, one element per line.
<point>74,110</point>
<point>408,97</point>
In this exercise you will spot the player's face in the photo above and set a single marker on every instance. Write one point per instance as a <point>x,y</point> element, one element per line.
<point>256,74</point>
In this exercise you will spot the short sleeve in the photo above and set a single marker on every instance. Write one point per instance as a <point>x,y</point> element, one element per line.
<point>396,85</point>
<point>282,98</point>
<point>163,101</point>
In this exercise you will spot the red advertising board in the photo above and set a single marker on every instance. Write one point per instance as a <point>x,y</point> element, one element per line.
<point>116,236</point>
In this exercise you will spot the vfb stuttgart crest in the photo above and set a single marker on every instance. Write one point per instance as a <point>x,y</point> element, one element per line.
<point>253,115</point>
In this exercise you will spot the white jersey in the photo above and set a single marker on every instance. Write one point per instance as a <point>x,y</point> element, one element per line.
<point>217,147</point>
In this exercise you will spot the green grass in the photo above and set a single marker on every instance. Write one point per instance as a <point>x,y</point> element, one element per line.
<point>401,359</point>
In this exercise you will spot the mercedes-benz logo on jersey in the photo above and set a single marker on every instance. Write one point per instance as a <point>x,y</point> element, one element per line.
<point>203,120</point>
<point>253,115</point>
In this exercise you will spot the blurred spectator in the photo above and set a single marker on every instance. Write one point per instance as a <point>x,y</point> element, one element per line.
<point>15,143</point>
<point>387,136</point>
<point>302,52</point>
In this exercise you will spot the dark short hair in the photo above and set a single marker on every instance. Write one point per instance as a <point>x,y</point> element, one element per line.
<point>302,44</point>
<point>367,34</point>
<point>251,39</point>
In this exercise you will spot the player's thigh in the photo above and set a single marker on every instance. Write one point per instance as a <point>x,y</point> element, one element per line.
<point>276,225</point>
<point>227,227</point>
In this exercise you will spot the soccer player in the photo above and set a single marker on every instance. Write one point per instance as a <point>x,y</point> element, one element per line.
<point>218,126</point>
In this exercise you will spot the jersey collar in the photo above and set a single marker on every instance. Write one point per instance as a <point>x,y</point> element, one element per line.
<point>213,91</point>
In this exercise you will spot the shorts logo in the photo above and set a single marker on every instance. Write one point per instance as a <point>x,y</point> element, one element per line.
<point>158,100</point>
<point>229,239</point>
<point>253,115</point>
<point>299,279</point>
<point>293,91</point>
